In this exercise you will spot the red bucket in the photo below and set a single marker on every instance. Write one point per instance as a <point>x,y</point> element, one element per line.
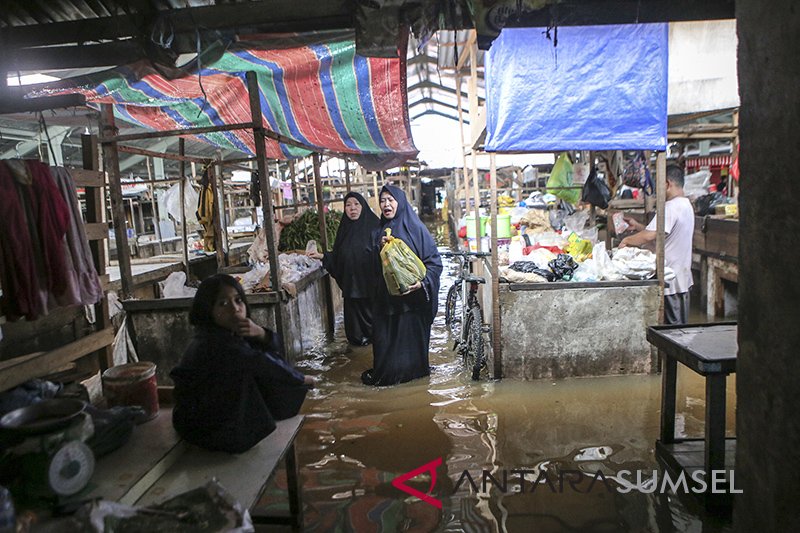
<point>132,384</point>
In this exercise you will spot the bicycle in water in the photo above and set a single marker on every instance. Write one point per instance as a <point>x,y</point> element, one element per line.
<point>465,321</point>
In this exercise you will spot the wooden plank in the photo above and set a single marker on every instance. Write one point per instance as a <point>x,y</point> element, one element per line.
<point>20,369</point>
<point>96,231</point>
<point>127,472</point>
<point>661,198</point>
<point>87,178</point>
<point>244,475</point>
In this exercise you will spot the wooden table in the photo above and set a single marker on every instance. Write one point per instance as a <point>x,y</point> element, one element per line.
<point>710,350</point>
<point>155,465</point>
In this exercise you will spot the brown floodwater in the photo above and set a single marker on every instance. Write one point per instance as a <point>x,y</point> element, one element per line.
<point>357,439</point>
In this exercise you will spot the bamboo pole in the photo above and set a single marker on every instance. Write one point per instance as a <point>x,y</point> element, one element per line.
<point>111,157</point>
<point>347,174</point>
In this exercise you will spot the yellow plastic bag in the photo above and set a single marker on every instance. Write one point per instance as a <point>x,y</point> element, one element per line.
<point>401,266</point>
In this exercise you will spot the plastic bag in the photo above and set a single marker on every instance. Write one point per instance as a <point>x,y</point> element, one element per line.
<point>595,191</point>
<point>529,267</point>
<point>563,266</point>
<point>605,268</point>
<point>175,286</point>
<point>311,246</point>
<point>696,184</point>
<point>172,201</point>
<point>401,267</point>
<point>561,176</point>
<point>576,221</point>
<point>587,271</point>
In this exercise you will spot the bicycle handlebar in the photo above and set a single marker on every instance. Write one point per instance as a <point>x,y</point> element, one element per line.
<point>466,254</point>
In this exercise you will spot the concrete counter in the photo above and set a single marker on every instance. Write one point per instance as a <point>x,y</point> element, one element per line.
<point>558,330</point>
<point>161,331</point>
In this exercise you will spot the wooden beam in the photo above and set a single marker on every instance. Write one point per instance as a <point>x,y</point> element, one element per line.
<point>87,178</point>
<point>258,16</point>
<point>111,157</point>
<point>20,369</point>
<point>323,236</point>
<point>175,133</point>
<point>108,54</point>
<point>11,104</point>
<point>266,201</point>
<point>162,155</point>
<point>96,231</point>
<point>598,12</point>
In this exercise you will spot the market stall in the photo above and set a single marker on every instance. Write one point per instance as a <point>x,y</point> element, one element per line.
<point>562,305</point>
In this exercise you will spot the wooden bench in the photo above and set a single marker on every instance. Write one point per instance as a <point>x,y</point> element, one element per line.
<point>155,465</point>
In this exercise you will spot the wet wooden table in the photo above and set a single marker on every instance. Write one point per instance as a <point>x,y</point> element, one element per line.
<point>710,350</point>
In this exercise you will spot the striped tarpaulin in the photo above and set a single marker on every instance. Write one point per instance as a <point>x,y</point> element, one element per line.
<point>314,89</point>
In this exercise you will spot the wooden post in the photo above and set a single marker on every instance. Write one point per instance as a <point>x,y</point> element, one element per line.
<point>221,210</point>
<point>266,204</point>
<point>95,209</point>
<point>323,235</point>
<point>218,244</point>
<point>111,160</point>
<point>661,195</point>
<point>497,350</point>
<point>463,153</point>
<point>347,174</point>
<point>375,190</point>
<point>293,179</point>
<point>476,195</point>
<point>184,236</point>
<point>154,204</point>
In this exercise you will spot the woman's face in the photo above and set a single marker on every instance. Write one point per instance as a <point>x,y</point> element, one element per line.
<point>388,205</point>
<point>352,208</point>
<point>229,308</point>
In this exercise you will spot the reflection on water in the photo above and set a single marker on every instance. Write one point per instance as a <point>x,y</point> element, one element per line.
<point>357,439</point>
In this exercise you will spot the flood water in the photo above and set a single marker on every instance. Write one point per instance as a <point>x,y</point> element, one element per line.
<point>357,439</point>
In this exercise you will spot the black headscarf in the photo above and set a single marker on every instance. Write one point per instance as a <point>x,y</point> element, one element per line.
<point>351,263</point>
<point>407,226</point>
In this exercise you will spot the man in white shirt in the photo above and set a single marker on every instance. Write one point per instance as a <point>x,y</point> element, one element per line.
<point>679,227</point>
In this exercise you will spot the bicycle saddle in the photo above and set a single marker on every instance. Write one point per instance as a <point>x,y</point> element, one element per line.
<point>474,279</point>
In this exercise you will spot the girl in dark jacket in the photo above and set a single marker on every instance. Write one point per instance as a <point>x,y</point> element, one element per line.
<point>229,387</point>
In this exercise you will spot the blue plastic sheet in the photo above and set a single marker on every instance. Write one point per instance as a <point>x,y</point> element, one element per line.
<point>601,88</point>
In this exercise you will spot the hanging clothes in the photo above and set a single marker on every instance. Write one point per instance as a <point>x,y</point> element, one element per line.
<point>206,212</point>
<point>83,284</point>
<point>32,246</point>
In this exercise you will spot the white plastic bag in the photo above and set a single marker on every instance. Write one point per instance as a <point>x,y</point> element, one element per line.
<point>576,221</point>
<point>172,201</point>
<point>605,267</point>
<point>175,286</point>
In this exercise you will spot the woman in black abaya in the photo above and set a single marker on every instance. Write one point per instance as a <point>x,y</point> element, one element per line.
<point>351,265</point>
<point>401,330</point>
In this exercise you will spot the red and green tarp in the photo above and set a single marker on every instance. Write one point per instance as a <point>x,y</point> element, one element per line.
<point>314,89</point>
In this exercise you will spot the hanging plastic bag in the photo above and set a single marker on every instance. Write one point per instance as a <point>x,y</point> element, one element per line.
<point>401,266</point>
<point>172,201</point>
<point>560,177</point>
<point>595,191</point>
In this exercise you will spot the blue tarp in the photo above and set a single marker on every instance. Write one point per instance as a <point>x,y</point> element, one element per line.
<point>600,88</point>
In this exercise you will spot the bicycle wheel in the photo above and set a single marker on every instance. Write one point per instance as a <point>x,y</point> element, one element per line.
<point>452,308</point>
<point>474,353</point>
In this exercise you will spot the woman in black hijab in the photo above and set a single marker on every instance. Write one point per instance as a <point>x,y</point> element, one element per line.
<point>401,330</point>
<point>351,265</point>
